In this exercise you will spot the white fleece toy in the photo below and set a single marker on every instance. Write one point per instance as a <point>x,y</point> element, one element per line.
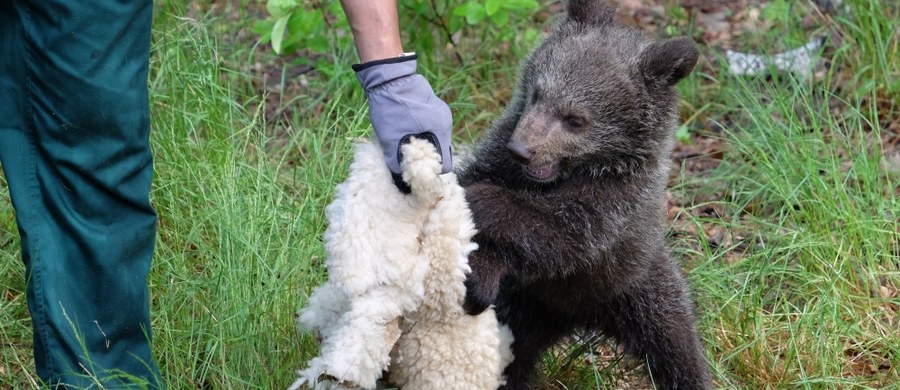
<point>393,299</point>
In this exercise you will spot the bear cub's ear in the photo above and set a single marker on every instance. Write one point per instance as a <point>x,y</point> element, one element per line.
<point>668,61</point>
<point>591,12</point>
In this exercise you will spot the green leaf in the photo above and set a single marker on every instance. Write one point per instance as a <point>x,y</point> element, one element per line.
<point>520,5</point>
<point>500,18</point>
<point>457,23</point>
<point>278,33</point>
<point>683,134</point>
<point>472,11</point>
<point>678,13</point>
<point>281,8</point>
<point>336,11</point>
<point>776,10</point>
<point>530,37</point>
<point>307,23</point>
<point>462,9</point>
<point>263,28</point>
<point>318,43</point>
<point>671,30</point>
<point>492,6</point>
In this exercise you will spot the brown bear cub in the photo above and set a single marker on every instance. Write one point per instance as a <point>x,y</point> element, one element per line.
<point>568,190</point>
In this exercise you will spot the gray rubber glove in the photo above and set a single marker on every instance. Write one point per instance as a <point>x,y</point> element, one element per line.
<point>401,105</point>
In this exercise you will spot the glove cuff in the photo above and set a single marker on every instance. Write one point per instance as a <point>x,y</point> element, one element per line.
<point>375,73</point>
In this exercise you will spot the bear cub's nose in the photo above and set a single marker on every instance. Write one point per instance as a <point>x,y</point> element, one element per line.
<point>519,152</point>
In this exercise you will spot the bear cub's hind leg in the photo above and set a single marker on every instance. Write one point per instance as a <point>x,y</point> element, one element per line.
<point>655,322</point>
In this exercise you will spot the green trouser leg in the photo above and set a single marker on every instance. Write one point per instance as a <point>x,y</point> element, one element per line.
<point>74,146</point>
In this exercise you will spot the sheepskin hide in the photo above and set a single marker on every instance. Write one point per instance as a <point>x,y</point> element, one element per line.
<point>393,300</point>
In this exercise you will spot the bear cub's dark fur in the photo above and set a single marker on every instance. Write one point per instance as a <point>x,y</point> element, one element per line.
<point>568,193</point>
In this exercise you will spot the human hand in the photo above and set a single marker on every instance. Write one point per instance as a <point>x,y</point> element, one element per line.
<point>402,104</point>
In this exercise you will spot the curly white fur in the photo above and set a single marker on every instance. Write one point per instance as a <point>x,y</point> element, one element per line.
<point>393,299</point>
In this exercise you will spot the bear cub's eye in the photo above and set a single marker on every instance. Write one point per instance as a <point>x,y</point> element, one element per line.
<point>535,95</point>
<point>574,121</point>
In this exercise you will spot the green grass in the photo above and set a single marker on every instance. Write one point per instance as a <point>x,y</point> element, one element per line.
<point>239,228</point>
<point>803,293</point>
<point>814,292</point>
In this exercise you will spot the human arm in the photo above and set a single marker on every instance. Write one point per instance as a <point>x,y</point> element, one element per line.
<point>375,27</point>
<point>401,102</point>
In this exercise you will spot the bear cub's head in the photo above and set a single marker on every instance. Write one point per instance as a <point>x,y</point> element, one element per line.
<point>597,97</point>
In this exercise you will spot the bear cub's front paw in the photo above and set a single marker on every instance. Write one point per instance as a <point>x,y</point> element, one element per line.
<point>477,300</point>
<point>482,284</point>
